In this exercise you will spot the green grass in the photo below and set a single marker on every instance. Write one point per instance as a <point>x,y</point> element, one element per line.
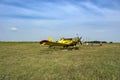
<point>30,61</point>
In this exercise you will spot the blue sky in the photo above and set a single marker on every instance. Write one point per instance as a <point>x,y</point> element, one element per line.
<point>34,20</point>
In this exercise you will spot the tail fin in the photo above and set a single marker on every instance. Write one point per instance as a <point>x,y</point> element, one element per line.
<point>50,39</point>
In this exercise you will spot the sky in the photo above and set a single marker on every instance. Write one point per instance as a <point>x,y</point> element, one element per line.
<point>35,20</point>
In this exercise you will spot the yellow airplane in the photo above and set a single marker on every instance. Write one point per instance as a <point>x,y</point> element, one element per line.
<point>65,42</point>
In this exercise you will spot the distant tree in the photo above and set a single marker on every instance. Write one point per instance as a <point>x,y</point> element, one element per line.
<point>95,42</point>
<point>111,42</point>
<point>103,41</point>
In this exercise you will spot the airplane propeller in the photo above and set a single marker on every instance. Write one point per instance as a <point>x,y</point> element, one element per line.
<point>80,40</point>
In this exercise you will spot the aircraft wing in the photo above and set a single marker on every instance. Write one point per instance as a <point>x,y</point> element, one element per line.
<point>46,42</point>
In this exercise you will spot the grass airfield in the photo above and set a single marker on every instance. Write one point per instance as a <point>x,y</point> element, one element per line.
<point>30,61</point>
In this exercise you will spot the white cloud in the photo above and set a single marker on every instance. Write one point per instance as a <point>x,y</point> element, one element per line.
<point>13,28</point>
